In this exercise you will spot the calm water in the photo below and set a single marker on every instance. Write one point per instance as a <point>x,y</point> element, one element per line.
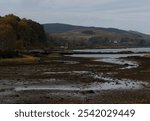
<point>111,84</point>
<point>113,58</point>
<point>115,50</point>
<point>106,55</point>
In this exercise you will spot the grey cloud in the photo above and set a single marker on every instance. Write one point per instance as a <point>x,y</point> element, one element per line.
<point>124,14</point>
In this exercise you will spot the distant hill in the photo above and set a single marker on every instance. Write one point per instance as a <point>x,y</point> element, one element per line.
<point>60,28</point>
<point>94,37</point>
<point>26,34</point>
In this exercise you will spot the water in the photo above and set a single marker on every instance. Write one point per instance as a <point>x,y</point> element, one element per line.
<point>115,50</point>
<point>106,55</point>
<point>68,72</point>
<point>111,84</point>
<point>113,58</point>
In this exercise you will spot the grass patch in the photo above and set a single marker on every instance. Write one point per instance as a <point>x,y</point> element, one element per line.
<point>25,59</point>
<point>147,55</point>
<point>54,55</point>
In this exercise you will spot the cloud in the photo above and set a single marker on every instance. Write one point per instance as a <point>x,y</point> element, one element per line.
<point>124,14</point>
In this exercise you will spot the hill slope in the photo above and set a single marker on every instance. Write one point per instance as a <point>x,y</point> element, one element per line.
<point>60,28</point>
<point>94,37</point>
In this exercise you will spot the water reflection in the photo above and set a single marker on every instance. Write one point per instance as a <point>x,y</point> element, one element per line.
<point>112,58</point>
<point>115,50</point>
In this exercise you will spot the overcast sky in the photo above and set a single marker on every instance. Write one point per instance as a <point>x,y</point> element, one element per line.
<point>123,14</point>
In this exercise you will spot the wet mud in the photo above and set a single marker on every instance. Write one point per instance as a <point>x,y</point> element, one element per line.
<point>74,80</point>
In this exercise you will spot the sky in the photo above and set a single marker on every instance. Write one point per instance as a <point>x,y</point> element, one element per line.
<point>122,14</point>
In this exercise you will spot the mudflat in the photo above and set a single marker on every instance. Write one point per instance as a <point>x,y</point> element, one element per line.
<point>63,79</point>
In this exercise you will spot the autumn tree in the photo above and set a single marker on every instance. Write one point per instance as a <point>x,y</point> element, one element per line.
<point>19,34</point>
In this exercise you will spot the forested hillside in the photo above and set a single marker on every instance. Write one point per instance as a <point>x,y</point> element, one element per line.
<point>76,37</point>
<point>20,34</point>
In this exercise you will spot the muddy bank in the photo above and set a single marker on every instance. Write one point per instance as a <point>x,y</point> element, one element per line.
<point>99,97</point>
<point>64,79</point>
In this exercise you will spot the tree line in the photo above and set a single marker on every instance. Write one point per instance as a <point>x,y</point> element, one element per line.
<point>18,34</point>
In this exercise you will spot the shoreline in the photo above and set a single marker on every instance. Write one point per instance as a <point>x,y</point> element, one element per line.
<point>62,70</point>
